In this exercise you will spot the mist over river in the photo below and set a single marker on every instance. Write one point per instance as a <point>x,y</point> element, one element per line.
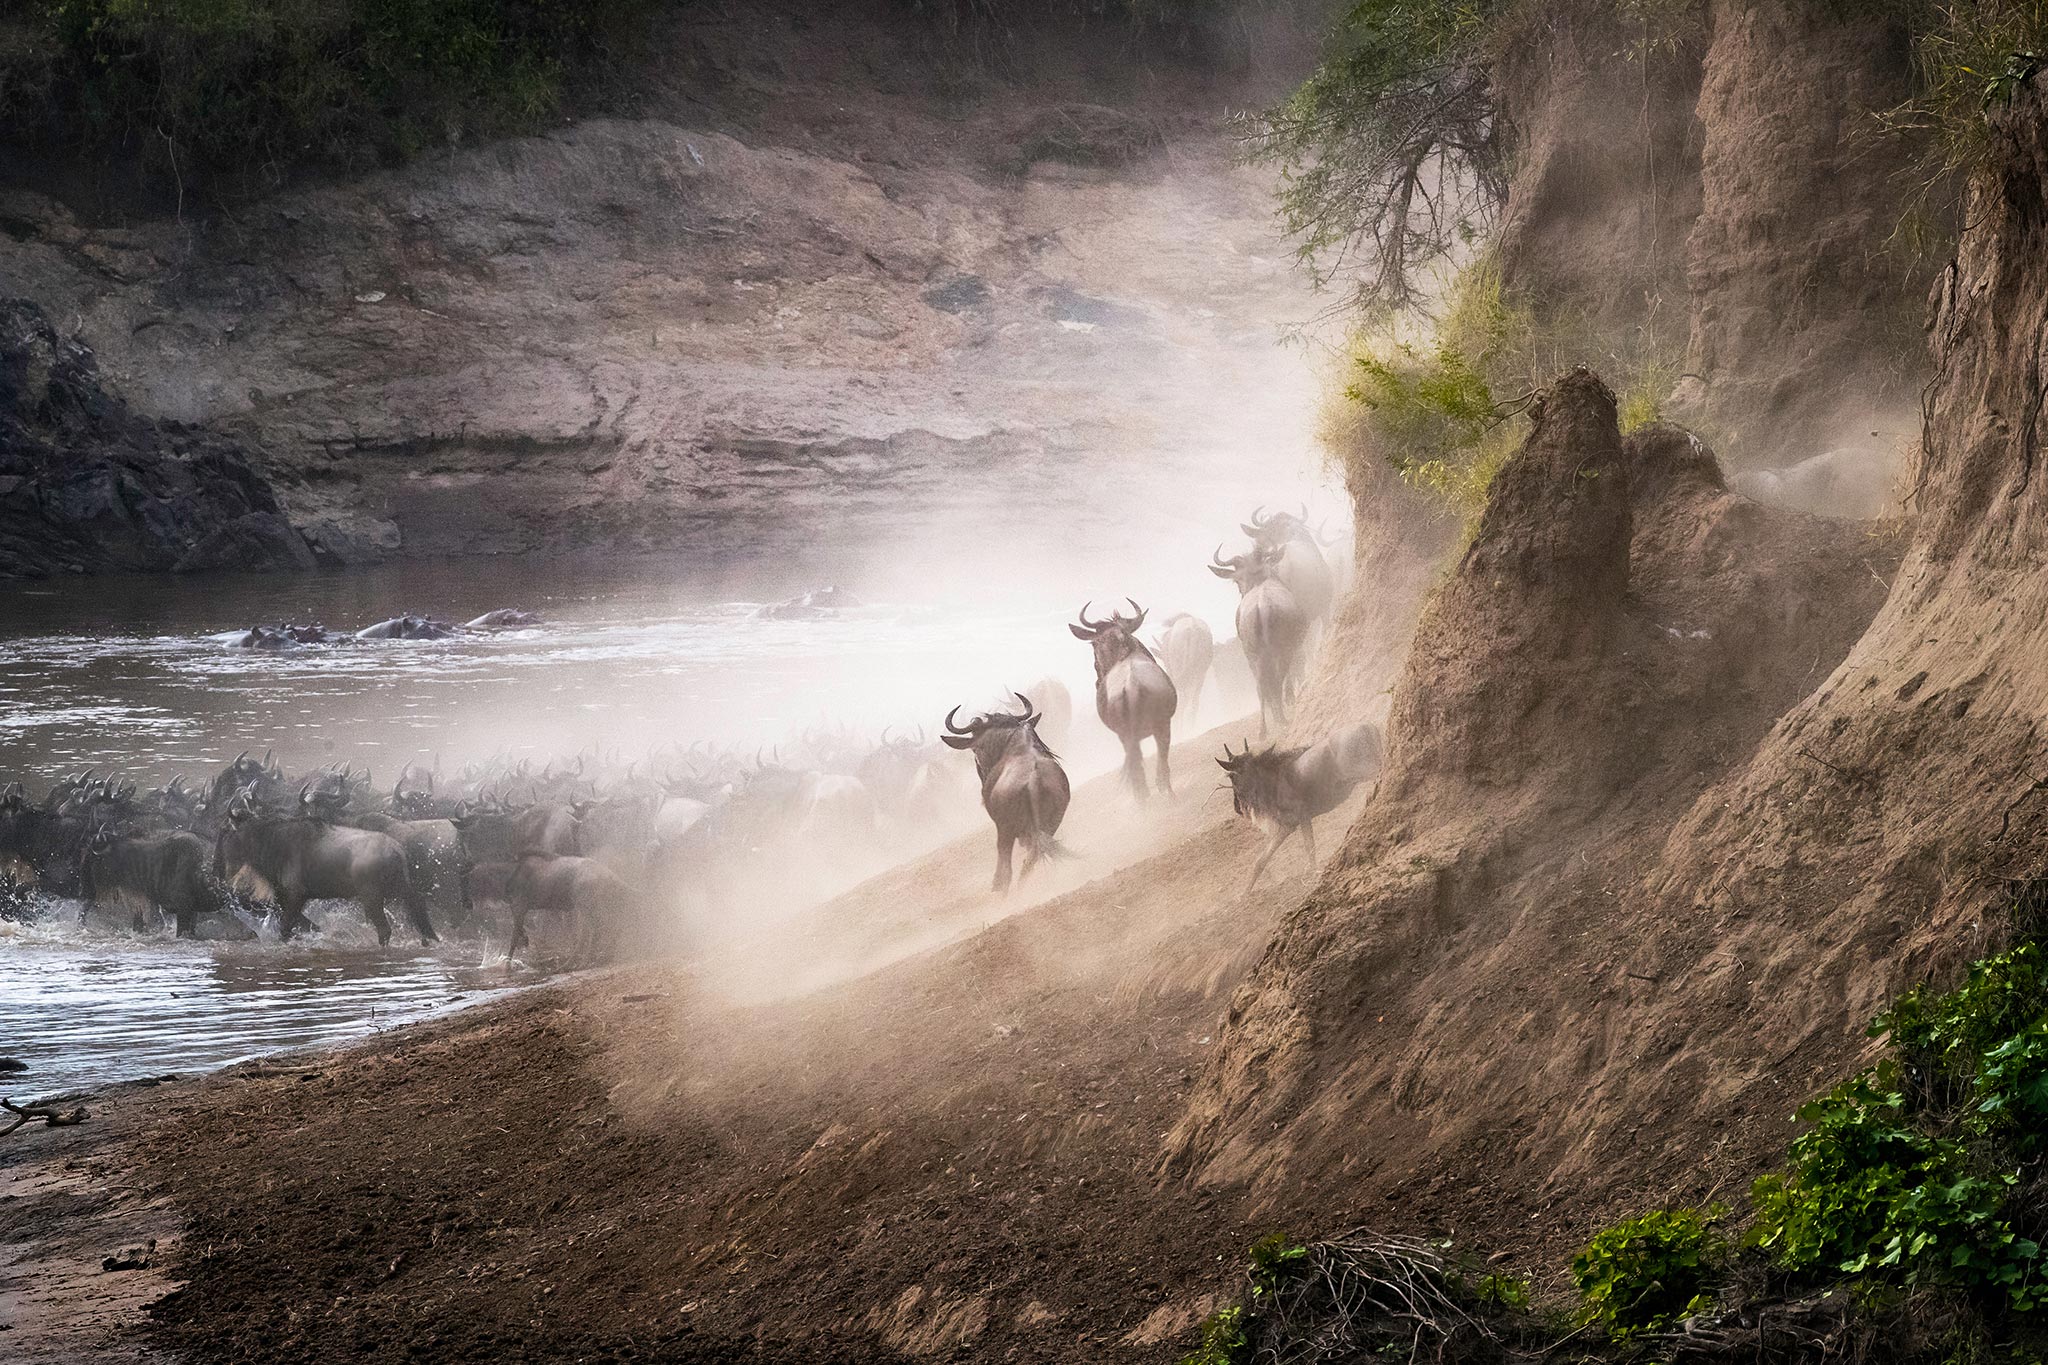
<point>135,674</point>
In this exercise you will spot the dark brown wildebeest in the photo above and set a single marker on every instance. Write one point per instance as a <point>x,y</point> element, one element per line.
<point>167,872</point>
<point>305,858</point>
<point>433,855</point>
<point>1270,626</point>
<point>1284,790</point>
<point>1023,788</point>
<point>496,833</point>
<point>1133,694</point>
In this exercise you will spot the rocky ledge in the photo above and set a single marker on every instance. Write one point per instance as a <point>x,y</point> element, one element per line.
<point>89,486</point>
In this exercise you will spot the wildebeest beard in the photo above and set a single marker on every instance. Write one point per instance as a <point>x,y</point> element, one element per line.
<point>1262,785</point>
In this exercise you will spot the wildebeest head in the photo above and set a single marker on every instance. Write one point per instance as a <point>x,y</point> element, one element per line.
<point>1258,780</point>
<point>994,734</point>
<point>1113,639</point>
<point>1246,570</point>
<point>1270,531</point>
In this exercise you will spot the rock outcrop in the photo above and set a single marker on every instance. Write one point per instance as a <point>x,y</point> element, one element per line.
<point>89,486</point>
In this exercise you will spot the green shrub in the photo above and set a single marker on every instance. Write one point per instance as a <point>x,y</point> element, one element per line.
<point>1223,1339</point>
<point>1942,1037</point>
<point>1870,1195</point>
<point>1645,1273</point>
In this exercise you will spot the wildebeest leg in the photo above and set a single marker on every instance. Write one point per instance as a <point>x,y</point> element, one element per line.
<point>142,908</point>
<point>1308,835</point>
<point>373,906</point>
<point>1164,740</point>
<point>416,911</point>
<point>291,913</point>
<point>1004,844</point>
<point>187,917</point>
<point>1273,843</point>
<point>1134,767</point>
<point>518,929</point>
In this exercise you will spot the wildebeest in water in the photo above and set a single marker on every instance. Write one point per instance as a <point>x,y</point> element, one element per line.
<point>305,858</point>
<point>1133,694</point>
<point>1023,787</point>
<point>167,872</point>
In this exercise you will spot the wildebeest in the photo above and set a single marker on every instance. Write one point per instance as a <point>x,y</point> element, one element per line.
<point>503,618</point>
<point>1271,627</point>
<point>1186,648</point>
<point>1284,790</point>
<point>1297,561</point>
<point>407,628</point>
<point>502,834</point>
<point>1055,709</point>
<point>43,841</point>
<point>565,885</point>
<point>1133,694</point>
<point>303,857</point>
<point>433,853</point>
<point>1023,787</point>
<point>166,872</point>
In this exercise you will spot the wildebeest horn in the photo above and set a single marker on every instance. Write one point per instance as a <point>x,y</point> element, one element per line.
<point>953,728</point>
<point>1136,621</point>
<point>238,759</point>
<point>1024,699</point>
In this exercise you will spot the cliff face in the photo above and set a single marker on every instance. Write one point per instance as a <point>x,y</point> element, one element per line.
<point>1717,194</point>
<point>87,485</point>
<point>1804,327</point>
<point>1641,867</point>
<point>822,282</point>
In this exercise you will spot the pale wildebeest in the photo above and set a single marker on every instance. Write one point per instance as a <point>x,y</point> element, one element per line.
<point>1133,694</point>
<point>304,858</point>
<point>1284,790</point>
<point>1270,625</point>
<point>1023,788</point>
<point>167,872</point>
<point>1055,709</point>
<point>1297,562</point>
<point>1186,648</point>
<point>565,885</point>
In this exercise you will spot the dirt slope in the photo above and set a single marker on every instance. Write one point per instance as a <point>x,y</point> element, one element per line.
<point>1480,1003</point>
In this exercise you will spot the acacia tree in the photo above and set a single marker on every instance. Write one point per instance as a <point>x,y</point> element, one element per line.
<point>1392,155</point>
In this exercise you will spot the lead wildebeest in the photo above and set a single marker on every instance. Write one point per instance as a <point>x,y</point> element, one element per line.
<point>302,857</point>
<point>1270,625</point>
<point>167,872</point>
<point>1284,790</point>
<point>1186,649</point>
<point>1023,788</point>
<point>1133,694</point>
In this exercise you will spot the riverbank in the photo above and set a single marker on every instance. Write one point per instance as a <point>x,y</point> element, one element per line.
<point>902,1125</point>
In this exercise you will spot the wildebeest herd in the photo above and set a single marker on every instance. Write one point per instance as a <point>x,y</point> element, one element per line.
<point>483,849</point>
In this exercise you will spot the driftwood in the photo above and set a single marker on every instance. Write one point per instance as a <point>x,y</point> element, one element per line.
<point>48,1115</point>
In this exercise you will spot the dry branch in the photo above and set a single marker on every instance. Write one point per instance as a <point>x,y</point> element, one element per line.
<point>49,1115</point>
